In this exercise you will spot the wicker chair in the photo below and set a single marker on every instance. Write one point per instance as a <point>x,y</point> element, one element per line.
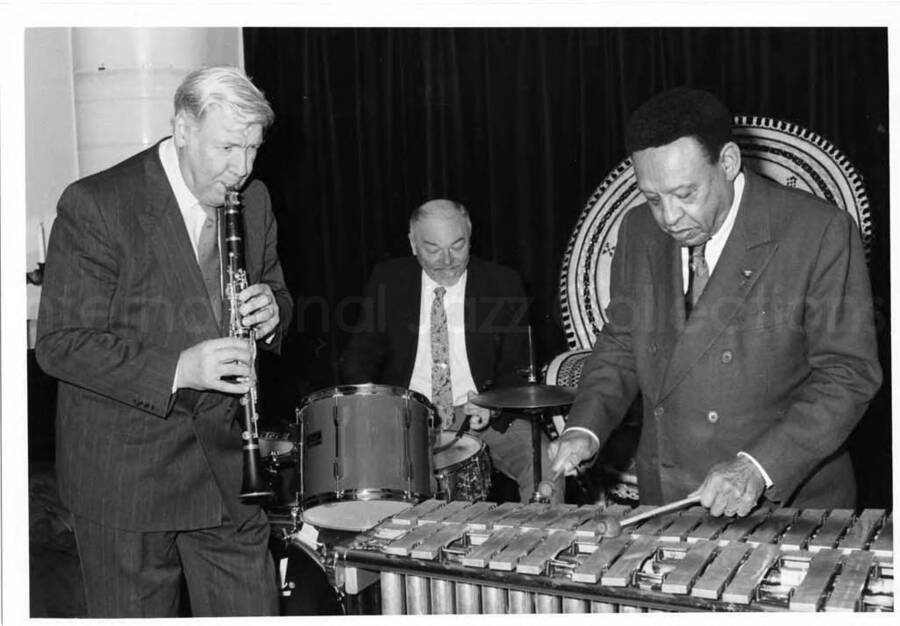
<point>783,152</point>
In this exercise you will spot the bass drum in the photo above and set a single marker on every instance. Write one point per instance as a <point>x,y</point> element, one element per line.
<point>305,584</point>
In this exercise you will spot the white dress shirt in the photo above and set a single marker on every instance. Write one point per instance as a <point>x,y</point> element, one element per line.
<point>712,252</point>
<point>716,243</point>
<point>194,216</point>
<point>461,381</point>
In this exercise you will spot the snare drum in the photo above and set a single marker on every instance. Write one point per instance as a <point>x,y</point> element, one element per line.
<point>463,468</point>
<point>279,460</point>
<point>365,454</point>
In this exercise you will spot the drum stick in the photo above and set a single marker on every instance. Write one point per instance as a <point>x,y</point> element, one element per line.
<point>532,369</point>
<point>456,436</point>
<point>462,427</point>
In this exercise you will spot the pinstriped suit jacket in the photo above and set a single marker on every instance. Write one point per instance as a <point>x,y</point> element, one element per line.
<point>123,296</point>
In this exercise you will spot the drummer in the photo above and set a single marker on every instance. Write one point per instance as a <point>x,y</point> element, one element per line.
<point>448,326</point>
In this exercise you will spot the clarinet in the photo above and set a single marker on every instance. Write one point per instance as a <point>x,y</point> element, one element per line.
<point>252,483</point>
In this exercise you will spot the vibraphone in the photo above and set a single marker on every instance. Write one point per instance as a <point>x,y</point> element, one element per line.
<point>462,557</point>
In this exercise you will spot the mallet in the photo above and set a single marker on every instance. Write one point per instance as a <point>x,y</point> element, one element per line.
<point>610,527</point>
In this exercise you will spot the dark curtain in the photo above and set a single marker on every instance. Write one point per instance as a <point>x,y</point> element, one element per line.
<point>521,125</point>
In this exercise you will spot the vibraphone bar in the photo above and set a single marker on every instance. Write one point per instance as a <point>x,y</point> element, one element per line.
<point>461,557</point>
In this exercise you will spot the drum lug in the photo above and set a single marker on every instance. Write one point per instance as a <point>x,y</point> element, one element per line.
<point>301,447</point>
<point>407,461</point>
<point>338,452</point>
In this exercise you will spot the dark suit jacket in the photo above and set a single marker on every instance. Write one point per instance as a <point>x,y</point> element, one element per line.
<point>383,345</point>
<point>123,296</point>
<point>778,358</point>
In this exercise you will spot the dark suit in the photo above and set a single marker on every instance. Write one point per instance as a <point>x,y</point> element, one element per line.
<point>384,343</point>
<point>778,358</point>
<point>123,296</point>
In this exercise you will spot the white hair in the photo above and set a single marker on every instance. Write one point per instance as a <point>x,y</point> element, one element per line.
<point>223,85</point>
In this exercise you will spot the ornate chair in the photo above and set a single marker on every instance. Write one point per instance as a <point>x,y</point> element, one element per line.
<point>783,152</point>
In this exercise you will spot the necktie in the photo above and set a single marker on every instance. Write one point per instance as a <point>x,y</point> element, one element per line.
<point>441,392</point>
<point>208,258</point>
<point>698,276</point>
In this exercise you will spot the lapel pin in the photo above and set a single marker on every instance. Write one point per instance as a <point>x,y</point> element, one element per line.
<point>747,273</point>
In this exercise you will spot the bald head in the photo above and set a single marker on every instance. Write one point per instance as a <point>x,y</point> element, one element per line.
<point>439,232</point>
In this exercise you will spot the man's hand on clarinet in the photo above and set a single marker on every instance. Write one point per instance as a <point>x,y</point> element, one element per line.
<point>203,365</point>
<point>731,488</point>
<point>569,451</point>
<point>259,309</point>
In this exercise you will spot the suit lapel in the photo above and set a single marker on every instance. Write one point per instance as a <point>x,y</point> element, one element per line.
<point>407,306</point>
<point>665,275</point>
<point>749,249</point>
<point>475,344</point>
<point>162,221</point>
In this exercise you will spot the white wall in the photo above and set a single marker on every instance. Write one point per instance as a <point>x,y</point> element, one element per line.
<point>94,96</point>
<point>50,151</point>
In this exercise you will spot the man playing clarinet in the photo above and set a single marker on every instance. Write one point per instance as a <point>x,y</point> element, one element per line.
<point>148,445</point>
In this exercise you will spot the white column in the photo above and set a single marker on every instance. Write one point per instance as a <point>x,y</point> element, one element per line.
<point>124,80</point>
<point>95,96</point>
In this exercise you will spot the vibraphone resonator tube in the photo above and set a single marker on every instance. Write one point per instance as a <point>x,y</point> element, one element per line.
<point>461,557</point>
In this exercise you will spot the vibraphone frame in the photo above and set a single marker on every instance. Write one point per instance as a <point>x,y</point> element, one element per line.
<point>436,580</point>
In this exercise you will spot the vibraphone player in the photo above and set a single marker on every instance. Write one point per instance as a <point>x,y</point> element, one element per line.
<point>455,325</point>
<point>741,311</point>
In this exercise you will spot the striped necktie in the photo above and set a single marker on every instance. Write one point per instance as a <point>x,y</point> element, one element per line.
<point>208,259</point>
<point>441,392</point>
<point>698,276</point>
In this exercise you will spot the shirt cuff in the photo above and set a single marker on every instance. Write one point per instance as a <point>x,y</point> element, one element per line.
<point>762,472</point>
<point>175,380</point>
<point>584,430</point>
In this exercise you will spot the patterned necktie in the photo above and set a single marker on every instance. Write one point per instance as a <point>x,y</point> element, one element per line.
<point>698,276</point>
<point>441,393</point>
<point>208,258</point>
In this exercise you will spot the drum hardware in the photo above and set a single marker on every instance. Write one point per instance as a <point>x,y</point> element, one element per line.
<point>338,466</point>
<point>528,397</point>
<point>301,463</point>
<point>535,401</point>
<point>278,460</point>
<point>407,460</point>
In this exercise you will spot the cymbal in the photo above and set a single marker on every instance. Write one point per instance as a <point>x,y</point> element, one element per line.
<point>531,396</point>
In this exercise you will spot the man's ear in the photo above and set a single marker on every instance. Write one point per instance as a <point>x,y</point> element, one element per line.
<point>730,160</point>
<point>412,243</point>
<point>182,125</point>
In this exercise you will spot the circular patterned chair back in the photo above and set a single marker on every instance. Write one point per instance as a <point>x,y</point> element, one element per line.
<point>786,153</point>
<point>783,152</point>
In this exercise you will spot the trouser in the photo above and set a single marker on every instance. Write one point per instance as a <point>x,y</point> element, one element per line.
<point>228,571</point>
<point>511,453</point>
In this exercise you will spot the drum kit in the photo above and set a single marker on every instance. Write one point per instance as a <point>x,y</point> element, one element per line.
<point>358,454</point>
